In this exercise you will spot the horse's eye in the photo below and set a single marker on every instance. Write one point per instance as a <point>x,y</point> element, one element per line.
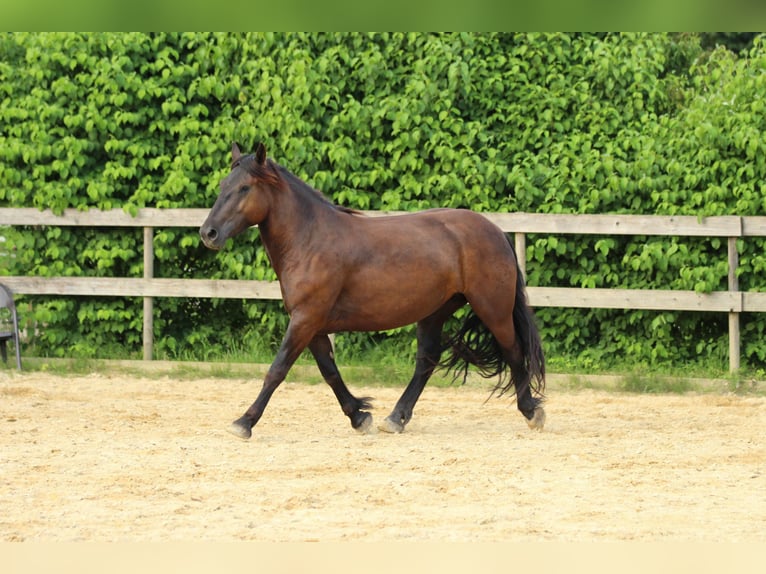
<point>243,189</point>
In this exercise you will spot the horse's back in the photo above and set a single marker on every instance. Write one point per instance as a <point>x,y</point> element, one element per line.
<point>462,223</point>
<point>436,235</point>
<point>475,236</point>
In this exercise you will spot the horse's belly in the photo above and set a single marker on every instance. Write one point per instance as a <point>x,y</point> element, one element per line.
<point>381,308</point>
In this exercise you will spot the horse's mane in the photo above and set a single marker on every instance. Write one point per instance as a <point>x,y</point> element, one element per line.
<point>297,183</point>
<point>274,173</point>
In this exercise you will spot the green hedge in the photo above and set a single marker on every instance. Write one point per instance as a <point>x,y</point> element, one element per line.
<point>550,123</point>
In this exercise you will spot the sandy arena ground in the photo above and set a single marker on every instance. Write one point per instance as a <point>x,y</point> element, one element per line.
<point>120,458</point>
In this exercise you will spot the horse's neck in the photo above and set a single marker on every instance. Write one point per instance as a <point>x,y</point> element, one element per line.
<point>294,218</point>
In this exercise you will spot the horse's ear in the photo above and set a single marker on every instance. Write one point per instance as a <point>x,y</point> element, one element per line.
<point>260,153</point>
<point>235,153</point>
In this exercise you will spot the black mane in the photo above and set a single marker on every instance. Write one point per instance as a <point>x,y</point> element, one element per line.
<point>298,184</point>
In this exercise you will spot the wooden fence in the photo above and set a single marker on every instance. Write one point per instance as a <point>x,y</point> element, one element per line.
<point>733,301</point>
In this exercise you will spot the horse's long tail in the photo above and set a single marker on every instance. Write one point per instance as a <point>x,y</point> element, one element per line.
<point>474,344</point>
<point>529,338</point>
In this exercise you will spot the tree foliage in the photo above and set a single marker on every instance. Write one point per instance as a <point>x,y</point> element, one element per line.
<point>549,123</point>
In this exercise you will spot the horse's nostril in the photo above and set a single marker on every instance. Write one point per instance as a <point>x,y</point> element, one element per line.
<point>209,236</point>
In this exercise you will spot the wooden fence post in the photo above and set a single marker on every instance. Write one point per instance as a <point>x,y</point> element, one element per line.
<point>734,333</point>
<point>148,301</point>
<point>520,242</point>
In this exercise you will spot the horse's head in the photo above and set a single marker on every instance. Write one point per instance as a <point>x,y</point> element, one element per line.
<point>242,202</point>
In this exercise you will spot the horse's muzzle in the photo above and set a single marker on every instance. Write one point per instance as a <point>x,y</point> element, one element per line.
<point>210,237</point>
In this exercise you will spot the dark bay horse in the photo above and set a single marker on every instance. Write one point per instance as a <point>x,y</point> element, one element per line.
<point>342,271</point>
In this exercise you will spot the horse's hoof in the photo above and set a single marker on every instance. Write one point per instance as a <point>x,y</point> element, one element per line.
<point>537,422</point>
<point>364,425</point>
<point>241,428</point>
<point>390,425</point>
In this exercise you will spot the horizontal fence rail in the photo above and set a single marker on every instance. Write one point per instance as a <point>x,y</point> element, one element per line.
<point>552,223</point>
<point>732,301</point>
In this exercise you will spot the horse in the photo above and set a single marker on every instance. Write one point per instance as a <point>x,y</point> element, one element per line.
<point>340,270</point>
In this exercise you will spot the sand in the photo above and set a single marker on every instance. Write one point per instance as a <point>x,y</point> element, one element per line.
<point>127,458</point>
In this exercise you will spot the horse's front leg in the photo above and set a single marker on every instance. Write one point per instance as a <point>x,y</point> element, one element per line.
<point>296,339</point>
<point>321,348</point>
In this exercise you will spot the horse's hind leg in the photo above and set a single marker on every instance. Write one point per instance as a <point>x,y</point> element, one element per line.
<point>321,348</point>
<point>497,316</point>
<point>429,332</point>
<point>530,407</point>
